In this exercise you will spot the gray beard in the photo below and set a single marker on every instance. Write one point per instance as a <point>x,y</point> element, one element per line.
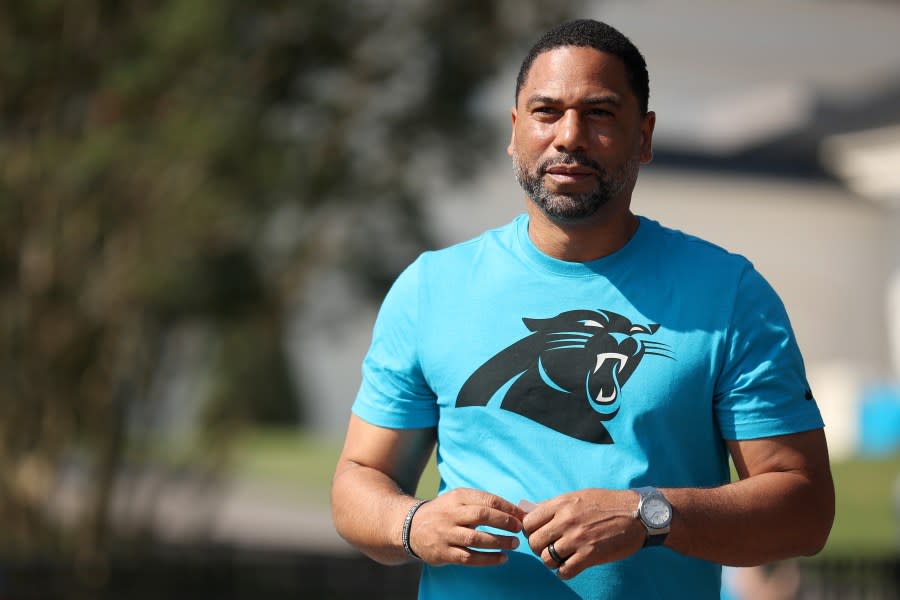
<point>573,207</point>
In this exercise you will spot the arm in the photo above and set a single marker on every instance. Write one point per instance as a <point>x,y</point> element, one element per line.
<point>371,494</point>
<point>783,506</point>
<point>373,484</point>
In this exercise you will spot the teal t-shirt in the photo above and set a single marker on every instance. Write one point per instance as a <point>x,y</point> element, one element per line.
<point>544,377</point>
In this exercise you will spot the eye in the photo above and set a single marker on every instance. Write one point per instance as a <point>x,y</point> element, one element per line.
<point>599,112</point>
<point>544,111</point>
<point>638,329</point>
<point>591,323</point>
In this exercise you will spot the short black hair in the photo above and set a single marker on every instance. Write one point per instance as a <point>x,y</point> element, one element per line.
<point>600,36</point>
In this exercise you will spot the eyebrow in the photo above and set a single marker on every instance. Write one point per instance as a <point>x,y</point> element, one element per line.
<point>613,99</point>
<point>606,99</point>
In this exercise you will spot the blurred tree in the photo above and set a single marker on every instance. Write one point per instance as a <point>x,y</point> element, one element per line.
<point>181,165</point>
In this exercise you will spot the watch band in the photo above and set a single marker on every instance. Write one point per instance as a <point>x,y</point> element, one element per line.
<point>655,539</point>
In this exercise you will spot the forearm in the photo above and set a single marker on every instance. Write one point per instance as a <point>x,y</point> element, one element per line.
<point>767,517</point>
<point>368,509</point>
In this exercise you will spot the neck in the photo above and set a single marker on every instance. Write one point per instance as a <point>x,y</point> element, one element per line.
<point>581,242</point>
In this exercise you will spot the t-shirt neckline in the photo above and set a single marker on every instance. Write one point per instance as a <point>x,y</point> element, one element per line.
<point>534,256</point>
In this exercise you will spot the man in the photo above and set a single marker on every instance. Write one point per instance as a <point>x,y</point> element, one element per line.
<point>586,373</point>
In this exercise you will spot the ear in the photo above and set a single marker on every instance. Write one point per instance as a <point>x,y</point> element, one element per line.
<point>648,122</point>
<point>536,324</point>
<point>512,138</point>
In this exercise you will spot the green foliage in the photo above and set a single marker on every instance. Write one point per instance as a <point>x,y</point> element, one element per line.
<point>148,150</point>
<point>867,511</point>
<point>297,464</point>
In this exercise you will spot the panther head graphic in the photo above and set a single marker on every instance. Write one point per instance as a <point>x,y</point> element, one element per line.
<point>568,373</point>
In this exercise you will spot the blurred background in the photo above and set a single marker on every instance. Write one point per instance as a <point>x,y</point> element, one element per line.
<point>202,204</point>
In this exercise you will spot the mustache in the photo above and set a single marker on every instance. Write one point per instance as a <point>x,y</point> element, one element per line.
<point>567,158</point>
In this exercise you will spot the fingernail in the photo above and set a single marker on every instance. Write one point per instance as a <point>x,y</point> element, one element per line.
<point>515,543</point>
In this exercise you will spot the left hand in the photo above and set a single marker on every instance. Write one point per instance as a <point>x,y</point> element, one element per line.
<point>587,528</point>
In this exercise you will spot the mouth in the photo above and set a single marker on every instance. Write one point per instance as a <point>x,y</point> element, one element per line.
<point>603,384</point>
<point>569,173</point>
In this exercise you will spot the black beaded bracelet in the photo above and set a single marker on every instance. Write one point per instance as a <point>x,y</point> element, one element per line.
<point>406,526</point>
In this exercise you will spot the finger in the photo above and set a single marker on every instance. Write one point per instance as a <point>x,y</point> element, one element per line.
<point>480,498</point>
<point>473,516</point>
<point>549,561</point>
<point>539,517</point>
<point>474,558</point>
<point>540,539</point>
<point>471,538</point>
<point>573,565</point>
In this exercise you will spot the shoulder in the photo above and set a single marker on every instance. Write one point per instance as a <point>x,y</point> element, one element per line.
<point>685,245</point>
<point>709,273</point>
<point>694,258</point>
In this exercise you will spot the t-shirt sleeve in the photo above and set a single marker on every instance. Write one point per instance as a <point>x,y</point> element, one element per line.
<point>393,392</point>
<point>762,388</point>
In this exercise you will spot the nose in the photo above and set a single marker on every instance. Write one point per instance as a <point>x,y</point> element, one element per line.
<point>570,132</point>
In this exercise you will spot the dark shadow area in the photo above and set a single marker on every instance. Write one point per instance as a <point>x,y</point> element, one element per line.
<point>211,572</point>
<point>227,573</point>
<point>837,578</point>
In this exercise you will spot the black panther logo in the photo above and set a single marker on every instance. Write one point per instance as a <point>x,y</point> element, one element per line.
<point>568,373</point>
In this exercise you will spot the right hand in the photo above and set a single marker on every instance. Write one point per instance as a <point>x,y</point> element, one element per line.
<point>443,530</point>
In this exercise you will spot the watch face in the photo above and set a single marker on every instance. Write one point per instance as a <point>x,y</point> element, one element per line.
<point>656,512</point>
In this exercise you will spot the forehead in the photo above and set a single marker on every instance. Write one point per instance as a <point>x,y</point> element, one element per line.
<point>569,72</point>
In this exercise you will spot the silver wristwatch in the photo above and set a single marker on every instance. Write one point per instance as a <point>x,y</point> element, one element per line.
<point>655,512</point>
